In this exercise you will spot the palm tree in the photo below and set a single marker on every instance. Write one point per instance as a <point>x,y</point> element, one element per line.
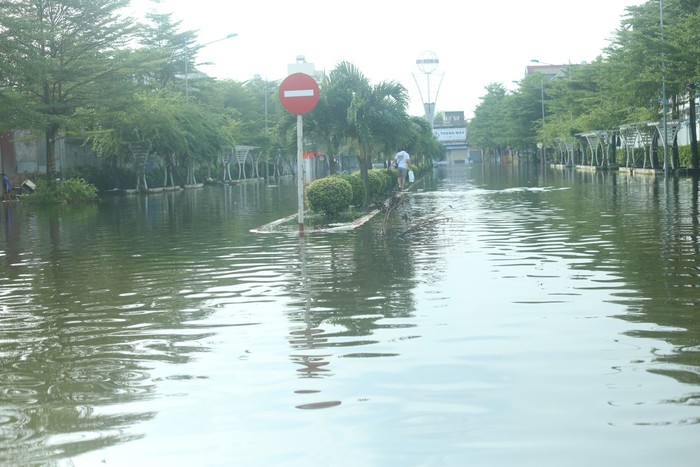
<point>369,117</point>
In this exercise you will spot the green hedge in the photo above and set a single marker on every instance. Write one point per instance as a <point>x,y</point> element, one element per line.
<point>375,185</point>
<point>359,193</point>
<point>393,177</point>
<point>330,195</point>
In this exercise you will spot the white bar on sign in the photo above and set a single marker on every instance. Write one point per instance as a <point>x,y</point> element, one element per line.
<point>299,93</point>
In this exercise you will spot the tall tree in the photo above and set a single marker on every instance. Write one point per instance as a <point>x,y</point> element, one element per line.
<point>523,123</point>
<point>59,56</point>
<point>487,129</point>
<point>176,49</point>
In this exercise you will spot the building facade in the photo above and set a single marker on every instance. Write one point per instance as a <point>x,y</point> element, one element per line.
<point>452,133</point>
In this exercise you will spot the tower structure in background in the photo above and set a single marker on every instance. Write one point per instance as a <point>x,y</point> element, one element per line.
<point>427,63</point>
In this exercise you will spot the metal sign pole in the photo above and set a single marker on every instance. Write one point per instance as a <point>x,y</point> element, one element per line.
<point>299,94</point>
<point>300,171</point>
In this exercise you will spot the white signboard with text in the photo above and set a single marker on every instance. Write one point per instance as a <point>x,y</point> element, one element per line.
<point>447,135</point>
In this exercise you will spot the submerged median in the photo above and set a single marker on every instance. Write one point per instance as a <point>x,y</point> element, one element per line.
<point>342,202</point>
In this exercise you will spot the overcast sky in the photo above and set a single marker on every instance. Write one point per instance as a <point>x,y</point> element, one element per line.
<point>476,42</point>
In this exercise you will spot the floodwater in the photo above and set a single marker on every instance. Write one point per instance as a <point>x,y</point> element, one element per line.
<point>500,317</point>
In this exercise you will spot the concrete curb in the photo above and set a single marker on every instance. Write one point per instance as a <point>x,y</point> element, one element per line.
<point>273,227</point>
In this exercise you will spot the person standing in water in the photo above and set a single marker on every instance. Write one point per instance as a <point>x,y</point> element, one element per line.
<point>403,162</point>
<point>6,187</point>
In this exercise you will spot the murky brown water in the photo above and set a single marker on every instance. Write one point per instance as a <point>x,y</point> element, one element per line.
<point>505,318</point>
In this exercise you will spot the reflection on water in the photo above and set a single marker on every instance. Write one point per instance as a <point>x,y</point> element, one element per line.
<point>503,314</point>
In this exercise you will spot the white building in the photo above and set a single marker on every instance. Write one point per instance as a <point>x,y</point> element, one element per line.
<point>452,133</point>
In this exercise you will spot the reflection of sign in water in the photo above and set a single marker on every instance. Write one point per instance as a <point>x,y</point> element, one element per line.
<point>450,134</point>
<point>307,340</point>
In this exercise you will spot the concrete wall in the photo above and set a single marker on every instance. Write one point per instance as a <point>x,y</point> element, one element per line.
<point>24,153</point>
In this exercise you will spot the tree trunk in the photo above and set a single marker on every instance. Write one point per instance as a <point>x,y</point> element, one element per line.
<point>676,159</point>
<point>655,148</point>
<point>695,159</point>
<point>114,166</point>
<point>363,174</point>
<point>174,172</point>
<point>51,137</point>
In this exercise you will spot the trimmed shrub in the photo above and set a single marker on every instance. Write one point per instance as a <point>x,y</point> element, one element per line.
<point>386,181</point>
<point>359,193</point>
<point>375,183</point>
<point>73,190</point>
<point>330,195</point>
<point>393,176</point>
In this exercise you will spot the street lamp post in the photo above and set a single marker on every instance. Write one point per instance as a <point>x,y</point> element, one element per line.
<point>542,107</point>
<point>187,63</point>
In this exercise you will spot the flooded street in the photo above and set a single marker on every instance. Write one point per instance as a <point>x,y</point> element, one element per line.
<point>499,317</point>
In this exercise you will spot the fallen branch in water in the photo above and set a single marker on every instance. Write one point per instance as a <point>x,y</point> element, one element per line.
<point>427,222</point>
<point>397,200</point>
<point>388,207</point>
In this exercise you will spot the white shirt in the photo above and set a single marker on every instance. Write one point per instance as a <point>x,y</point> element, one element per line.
<point>402,159</point>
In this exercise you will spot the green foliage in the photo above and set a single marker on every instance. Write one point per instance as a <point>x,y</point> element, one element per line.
<point>386,181</point>
<point>393,177</point>
<point>359,193</point>
<point>354,112</point>
<point>73,190</point>
<point>487,127</point>
<point>685,156</point>
<point>375,185</point>
<point>60,57</point>
<point>121,86</point>
<point>330,195</point>
<point>103,178</point>
<point>420,142</point>
<point>621,86</point>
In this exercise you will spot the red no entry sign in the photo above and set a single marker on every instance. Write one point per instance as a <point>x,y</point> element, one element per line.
<point>299,93</point>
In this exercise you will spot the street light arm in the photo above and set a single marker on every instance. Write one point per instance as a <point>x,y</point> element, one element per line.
<point>187,59</point>
<point>233,34</point>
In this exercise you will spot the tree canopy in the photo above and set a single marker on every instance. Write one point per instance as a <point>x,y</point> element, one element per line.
<point>77,67</point>
<point>58,57</point>
<point>652,47</point>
